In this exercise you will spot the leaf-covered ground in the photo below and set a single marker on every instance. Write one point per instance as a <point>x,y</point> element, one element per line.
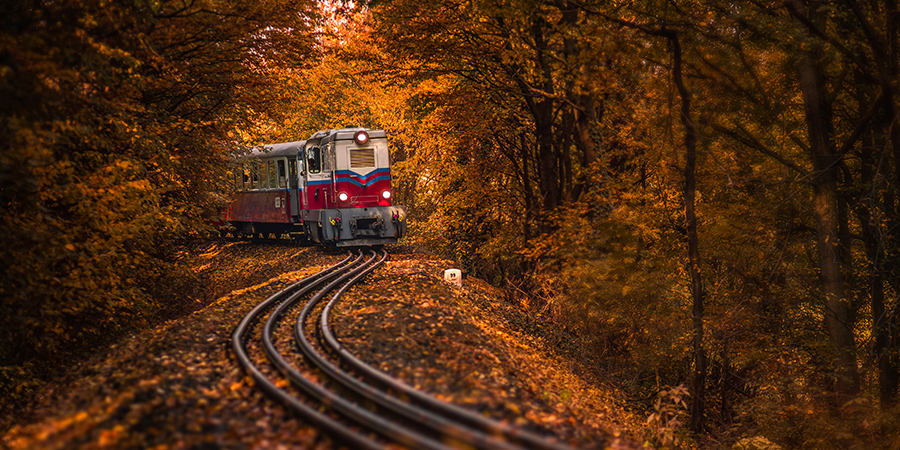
<point>178,385</point>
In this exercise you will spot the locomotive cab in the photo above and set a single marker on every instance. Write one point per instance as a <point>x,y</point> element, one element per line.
<point>347,192</point>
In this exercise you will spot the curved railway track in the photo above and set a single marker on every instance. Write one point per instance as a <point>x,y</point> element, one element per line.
<point>353,401</point>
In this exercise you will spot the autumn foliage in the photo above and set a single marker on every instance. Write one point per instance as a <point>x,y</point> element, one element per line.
<point>117,119</point>
<point>706,195</point>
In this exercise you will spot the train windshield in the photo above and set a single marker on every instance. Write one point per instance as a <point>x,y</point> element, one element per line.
<point>314,160</point>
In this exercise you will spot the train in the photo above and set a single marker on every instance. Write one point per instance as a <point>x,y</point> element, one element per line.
<point>333,189</point>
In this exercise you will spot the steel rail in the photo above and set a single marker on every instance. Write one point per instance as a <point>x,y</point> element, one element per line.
<point>336,429</point>
<point>362,416</point>
<point>444,422</point>
<point>437,423</point>
<point>448,410</point>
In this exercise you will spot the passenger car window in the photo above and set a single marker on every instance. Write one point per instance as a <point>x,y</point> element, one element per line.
<point>273,174</point>
<point>282,179</point>
<point>254,175</point>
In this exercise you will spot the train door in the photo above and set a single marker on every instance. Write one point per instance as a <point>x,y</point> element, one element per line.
<point>303,167</point>
<point>285,184</point>
<point>317,179</point>
<point>295,173</point>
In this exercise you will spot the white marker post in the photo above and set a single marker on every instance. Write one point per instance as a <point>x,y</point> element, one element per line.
<point>453,276</point>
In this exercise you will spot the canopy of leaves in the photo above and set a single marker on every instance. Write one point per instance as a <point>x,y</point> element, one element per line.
<point>551,157</point>
<point>542,145</point>
<point>116,118</point>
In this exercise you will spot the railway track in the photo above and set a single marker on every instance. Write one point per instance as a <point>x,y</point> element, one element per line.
<point>307,369</point>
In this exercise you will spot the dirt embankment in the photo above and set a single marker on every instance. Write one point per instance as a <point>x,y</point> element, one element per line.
<point>178,386</point>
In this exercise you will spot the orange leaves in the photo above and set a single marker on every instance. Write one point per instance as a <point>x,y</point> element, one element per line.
<point>110,437</point>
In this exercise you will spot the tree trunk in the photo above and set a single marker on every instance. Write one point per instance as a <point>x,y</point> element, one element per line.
<point>867,209</point>
<point>542,111</point>
<point>566,157</point>
<point>584,123</point>
<point>698,381</point>
<point>825,192</point>
<point>549,173</point>
<point>887,372</point>
<point>582,104</point>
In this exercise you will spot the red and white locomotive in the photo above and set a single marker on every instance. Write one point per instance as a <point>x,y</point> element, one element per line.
<point>333,188</point>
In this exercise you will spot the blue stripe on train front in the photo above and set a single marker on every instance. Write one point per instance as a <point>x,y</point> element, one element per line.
<point>349,176</point>
<point>350,173</point>
<point>357,183</point>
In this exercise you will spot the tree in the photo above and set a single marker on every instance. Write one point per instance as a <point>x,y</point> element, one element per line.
<point>116,120</point>
<point>602,156</point>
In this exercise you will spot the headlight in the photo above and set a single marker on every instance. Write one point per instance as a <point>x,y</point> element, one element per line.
<point>361,137</point>
<point>386,194</point>
<point>343,196</point>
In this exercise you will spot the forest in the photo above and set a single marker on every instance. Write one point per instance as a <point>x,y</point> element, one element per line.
<point>704,194</point>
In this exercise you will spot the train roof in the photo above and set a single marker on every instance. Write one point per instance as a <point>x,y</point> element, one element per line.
<point>291,148</point>
<point>277,150</point>
<point>341,134</point>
